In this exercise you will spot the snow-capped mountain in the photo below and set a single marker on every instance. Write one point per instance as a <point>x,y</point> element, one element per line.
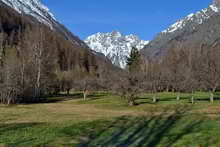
<point>115,46</point>
<point>194,29</point>
<point>34,8</point>
<point>195,18</point>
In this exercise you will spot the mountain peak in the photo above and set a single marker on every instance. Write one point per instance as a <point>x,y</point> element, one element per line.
<point>116,33</point>
<point>115,46</point>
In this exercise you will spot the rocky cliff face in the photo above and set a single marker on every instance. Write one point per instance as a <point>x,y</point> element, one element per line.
<point>115,46</point>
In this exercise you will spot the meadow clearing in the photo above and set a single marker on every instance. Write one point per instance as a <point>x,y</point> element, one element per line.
<point>107,120</point>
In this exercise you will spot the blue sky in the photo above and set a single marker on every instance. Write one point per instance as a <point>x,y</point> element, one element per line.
<point>144,18</point>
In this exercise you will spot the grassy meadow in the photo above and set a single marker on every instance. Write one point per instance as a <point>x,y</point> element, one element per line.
<point>106,120</point>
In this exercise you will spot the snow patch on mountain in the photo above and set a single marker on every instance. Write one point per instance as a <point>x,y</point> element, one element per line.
<point>214,8</point>
<point>115,46</point>
<point>34,8</point>
<point>196,18</point>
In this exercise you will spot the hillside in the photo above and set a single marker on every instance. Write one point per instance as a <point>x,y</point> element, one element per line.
<point>195,31</point>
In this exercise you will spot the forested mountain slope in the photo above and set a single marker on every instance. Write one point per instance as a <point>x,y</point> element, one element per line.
<point>36,57</point>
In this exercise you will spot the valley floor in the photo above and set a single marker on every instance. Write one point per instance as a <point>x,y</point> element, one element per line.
<point>106,120</point>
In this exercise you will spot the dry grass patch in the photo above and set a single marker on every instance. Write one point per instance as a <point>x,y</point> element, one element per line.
<point>58,112</point>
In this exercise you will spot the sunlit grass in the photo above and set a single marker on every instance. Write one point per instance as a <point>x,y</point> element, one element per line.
<point>106,120</point>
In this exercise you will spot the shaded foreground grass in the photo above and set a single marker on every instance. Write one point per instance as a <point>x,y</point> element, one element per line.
<point>106,120</point>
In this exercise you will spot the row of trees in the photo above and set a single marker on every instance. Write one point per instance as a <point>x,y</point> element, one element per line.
<point>30,70</point>
<point>37,64</point>
<point>181,70</point>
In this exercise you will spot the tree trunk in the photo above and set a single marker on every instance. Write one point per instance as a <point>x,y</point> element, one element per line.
<point>9,101</point>
<point>84,95</point>
<point>68,92</point>
<point>178,97</point>
<point>131,100</point>
<point>22,77</point>
<point>154,99</point>
<point>214,88</point>
<point>39,54</point>
<point>211,97</point>
<point>192,99</point>
<point>131,103</point>
<point>167,89</point>
<point>38,80</point>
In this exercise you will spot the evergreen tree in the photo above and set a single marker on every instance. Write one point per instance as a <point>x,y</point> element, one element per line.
<point>133,62</point>
<point>131,81</point>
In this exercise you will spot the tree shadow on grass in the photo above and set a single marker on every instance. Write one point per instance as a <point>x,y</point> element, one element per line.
<point>147,131</point>
<point>64,97</point>
<point>207,99</point>
<point>141,103</point>
<point>52,99</point>
<point>4,128</point>
<point>10,129</point>
<point>92,97</point>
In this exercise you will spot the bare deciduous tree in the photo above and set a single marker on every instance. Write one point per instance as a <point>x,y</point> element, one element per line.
<point>209,68</point>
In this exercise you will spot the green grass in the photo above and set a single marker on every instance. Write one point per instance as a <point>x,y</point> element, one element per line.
<point>108,101</point>
<point>107,120</point>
